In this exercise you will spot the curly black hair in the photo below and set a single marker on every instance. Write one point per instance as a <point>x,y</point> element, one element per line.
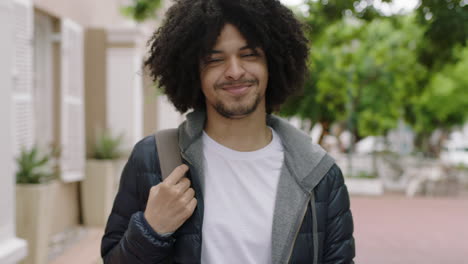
<point>191,28</point>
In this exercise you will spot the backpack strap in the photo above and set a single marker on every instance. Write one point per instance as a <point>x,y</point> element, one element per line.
<point>167,145</point>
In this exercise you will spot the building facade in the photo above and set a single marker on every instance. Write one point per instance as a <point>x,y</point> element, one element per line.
<point>69,70</point>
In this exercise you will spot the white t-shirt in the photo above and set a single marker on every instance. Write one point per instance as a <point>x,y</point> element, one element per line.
<point>239,198</point>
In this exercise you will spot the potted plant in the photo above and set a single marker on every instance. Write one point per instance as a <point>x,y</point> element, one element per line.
<point>34,196</point>
<point>100,185</point>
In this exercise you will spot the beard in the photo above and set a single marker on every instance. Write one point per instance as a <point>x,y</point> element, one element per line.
<point>241,107</point>
<point>238,110</point>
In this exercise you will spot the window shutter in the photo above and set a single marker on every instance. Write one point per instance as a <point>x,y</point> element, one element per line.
<point>72,104</point>
<point>43,80</point>
<point>22,94</point>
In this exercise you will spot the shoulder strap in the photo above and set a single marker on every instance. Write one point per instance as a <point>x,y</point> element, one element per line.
<point>167,144</point>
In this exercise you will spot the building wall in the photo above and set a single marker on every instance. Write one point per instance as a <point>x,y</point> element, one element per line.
<point>110,57</point>
<point>124,94</point>
<point>167,116</point>
<point>12,249</point>
<point>66,204</point>
<point>150,105</point>
<point>105,14</point>
<point>95,84</point>
<point>6,161</point>
<point>112,99</point>
<point>89,13</point>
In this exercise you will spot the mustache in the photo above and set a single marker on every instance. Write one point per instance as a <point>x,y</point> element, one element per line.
<point>235,83</point>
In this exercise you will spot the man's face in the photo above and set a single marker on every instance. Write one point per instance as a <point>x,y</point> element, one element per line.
<point>234,76</point>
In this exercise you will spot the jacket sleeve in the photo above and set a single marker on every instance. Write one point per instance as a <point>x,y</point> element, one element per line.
<point>339,242</point>
<point>128,237</point>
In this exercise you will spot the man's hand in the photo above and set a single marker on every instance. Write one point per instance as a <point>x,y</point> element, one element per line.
<point>171,202</point>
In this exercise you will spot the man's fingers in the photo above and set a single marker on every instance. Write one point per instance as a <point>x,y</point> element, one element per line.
<point>183,185</point>
<point>191,206</point>
<point>188,195</point>
<point>176,174</point>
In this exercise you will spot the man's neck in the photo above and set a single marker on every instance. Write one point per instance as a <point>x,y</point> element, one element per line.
<point>249,133</point>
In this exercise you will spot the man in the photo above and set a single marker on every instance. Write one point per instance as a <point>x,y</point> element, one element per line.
<point>256,190</point>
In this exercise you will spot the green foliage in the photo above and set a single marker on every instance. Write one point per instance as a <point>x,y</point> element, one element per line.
<point>461,167</point>
<point>365,175</point>
<point>361,70</point>
<point>362,175</point>
<point>107,147</point>
<point>444,102</point>
<point>34,168</point>
<point>446,26</point>
<point>323,13</point>
<point>371,70</point>
<point>141,10</point>
<point>388,72</point>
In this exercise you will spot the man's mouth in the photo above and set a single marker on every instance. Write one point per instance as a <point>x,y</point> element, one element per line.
<point>237,90</point>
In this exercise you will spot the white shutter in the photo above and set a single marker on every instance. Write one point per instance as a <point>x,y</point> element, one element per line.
<point>22,95</point>
<point>72,102</point>
<point>43,80</point>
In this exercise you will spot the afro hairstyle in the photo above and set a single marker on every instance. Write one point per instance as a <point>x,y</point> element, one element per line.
<point>190,30</point>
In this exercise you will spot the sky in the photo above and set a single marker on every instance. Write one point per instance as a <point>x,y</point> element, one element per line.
<point>397,5</point>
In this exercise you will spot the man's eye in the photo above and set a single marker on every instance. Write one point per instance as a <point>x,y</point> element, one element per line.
<point>213,60</point>
<point>250,55</point>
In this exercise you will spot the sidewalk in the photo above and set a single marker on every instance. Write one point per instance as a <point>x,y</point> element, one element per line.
<point>388,230</point>
<point>85,251</point>
<point>400,230</point>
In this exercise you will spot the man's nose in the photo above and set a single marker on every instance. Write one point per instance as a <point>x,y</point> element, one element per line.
<point>235,69</point>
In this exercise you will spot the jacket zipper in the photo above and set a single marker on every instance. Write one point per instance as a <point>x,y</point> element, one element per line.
<point>297,230</point>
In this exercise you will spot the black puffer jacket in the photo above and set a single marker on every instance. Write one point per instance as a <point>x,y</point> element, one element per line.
<point>321,237</point>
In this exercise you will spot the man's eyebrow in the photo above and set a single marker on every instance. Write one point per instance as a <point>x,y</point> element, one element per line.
<point>243,48</point>
<point>214,52</point>
<point>248,47</point>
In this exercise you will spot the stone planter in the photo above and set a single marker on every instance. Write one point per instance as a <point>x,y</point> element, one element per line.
<point>361,186</point>
<point>33,216</point>
<point>98,190</point>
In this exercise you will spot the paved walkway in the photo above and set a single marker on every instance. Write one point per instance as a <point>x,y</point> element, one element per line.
<point>85,251</point>
<point>400,230</point>
<point>388,230</point>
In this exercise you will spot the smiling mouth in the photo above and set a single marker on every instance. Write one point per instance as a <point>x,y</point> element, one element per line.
<point>237,90</point>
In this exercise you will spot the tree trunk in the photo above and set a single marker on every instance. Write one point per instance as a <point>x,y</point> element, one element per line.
<point>340,128</point>
<point>440,142</point>
<point>421,143</point>
<point>325,132</point>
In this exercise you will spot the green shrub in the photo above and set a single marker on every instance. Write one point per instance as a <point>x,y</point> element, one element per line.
<point>461,166</point>
<point>141,10</point>
<point>34,168</point>
<point>365,175</point>
<point>107,147</point>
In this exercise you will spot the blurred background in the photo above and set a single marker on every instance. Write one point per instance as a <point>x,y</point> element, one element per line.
<point>386,95</point>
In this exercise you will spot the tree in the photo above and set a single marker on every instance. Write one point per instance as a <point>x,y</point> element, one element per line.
<point>445,34</point>
<point>444,103</point>
<point>328,104</point>
<point>360,70</point>
<point>398,67</point>
<point>141,10</point>
<point>446,27</point>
